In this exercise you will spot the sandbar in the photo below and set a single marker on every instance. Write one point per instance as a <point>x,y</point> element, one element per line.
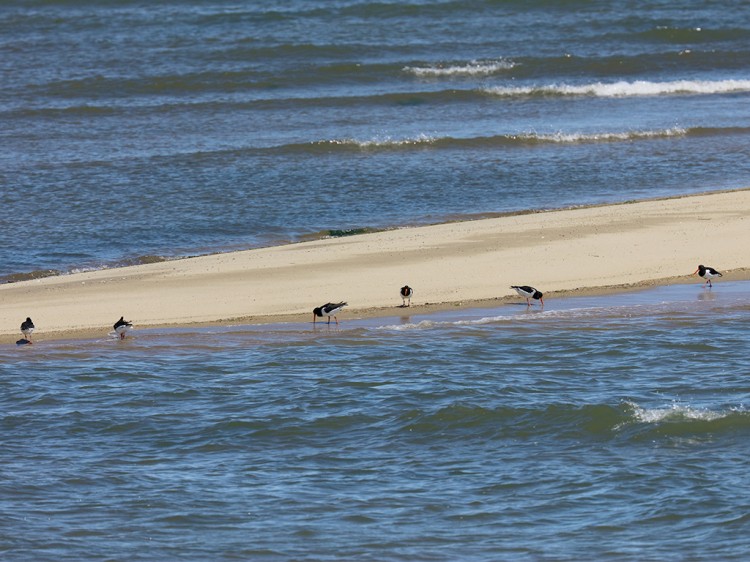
<point>593,249</point>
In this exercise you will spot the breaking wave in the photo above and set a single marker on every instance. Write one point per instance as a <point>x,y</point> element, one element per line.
<point>625,89</point>
<point>473,68</point>
<point>626,420</point>
<point>523,139</point>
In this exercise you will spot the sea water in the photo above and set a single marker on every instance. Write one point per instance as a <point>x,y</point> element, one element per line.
<point>612,427</point>
<point>137,131</point>
<point>596,428</point>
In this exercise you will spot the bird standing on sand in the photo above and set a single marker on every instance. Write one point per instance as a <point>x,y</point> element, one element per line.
<point>27,327</point>
<point>329,309</point>
<point>707,273</point>
<point>528,293</point>
<point>122,327</point>
<point>406,293</point>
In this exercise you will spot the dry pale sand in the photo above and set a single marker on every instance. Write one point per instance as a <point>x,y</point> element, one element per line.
<point>595,249</point>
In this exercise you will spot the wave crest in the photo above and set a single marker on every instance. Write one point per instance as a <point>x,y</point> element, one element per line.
<point>626,421</point>
<point>374,143</point>
<point>520,139</point>
<point>562,138</point>
<point>473,68</point>
<point>625,89</point>
<point>679,421</point>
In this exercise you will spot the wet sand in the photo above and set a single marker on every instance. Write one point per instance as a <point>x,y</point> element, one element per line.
<point>591,250</point>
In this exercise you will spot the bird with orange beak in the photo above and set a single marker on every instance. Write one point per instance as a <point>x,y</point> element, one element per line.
<point>707,273</point>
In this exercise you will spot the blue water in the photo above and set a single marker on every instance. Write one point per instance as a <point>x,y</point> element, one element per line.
<point>610,427</point>
<point>598,428</point>
<point>135,131</point>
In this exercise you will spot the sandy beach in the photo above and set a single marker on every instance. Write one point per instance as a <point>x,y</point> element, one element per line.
<point>473,263</point>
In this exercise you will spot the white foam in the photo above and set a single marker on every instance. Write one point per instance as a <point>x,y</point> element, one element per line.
<point>561,137</point>
<point>383,142</point>
<point>427,324</point>
<point>424,324</point>
<point>473,68</point>
<point>628,89</point>
<point>675,412</point>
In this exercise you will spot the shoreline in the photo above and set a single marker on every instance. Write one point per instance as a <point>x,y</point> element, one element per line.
<point>588,250</point>
<point>427,308</point>
<point>134,261</point>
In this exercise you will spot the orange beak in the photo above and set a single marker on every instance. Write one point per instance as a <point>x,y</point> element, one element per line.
<point>696,271</point>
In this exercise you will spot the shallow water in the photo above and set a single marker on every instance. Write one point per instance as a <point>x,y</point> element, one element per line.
<point>606,427</point>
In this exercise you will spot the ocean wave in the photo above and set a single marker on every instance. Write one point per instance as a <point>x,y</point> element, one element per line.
<point>472,68</point>
<point>680,420</point>
<point>350,144</point>
<point>424,140</point>
<point>508,317</point>
<point>562,137</point>
<point>260,85</point>
<point>410,326</point>
<point>625,89</point>
<point>68,99</point>
<point>510,421</point>
<point>626,420</point>
<point>674,413</point>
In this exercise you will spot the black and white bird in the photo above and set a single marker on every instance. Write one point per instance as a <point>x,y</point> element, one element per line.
<point>406,293</point>
<point>122,327</point>
<point>329,309</point>
<point>27,327</point>
<point>529,293</point>
<point>707,273</point>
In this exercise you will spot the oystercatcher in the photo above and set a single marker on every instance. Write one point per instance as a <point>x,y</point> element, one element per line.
<point>707,273</point>
<point>528,293</point>
<point>406,293</point>
<point>27,327</point>
<point>329,309</point>
<point>122,327</point>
